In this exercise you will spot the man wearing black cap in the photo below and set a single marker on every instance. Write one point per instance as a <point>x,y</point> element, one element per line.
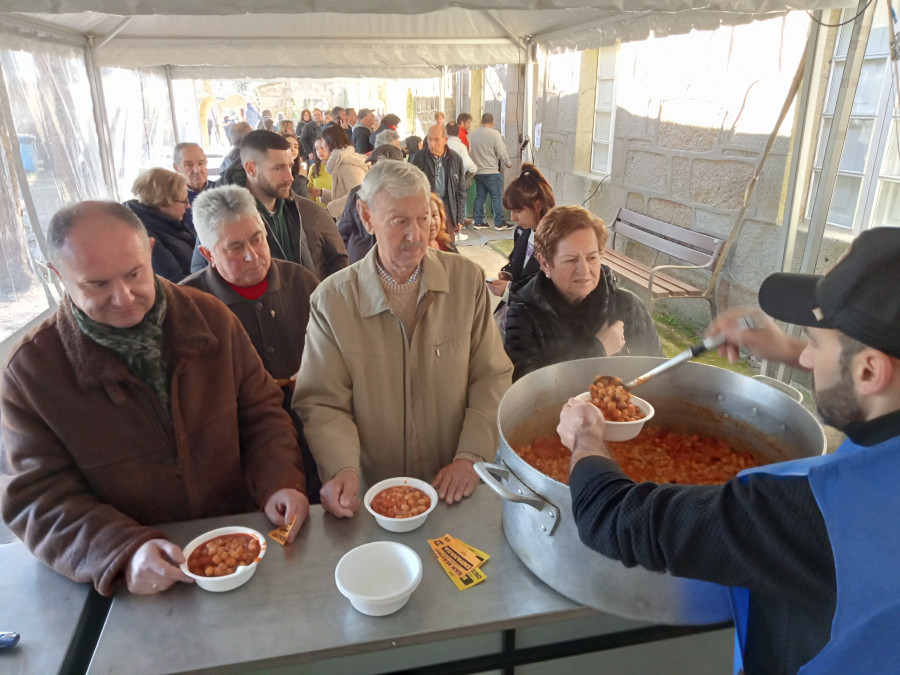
<point>809,548</point>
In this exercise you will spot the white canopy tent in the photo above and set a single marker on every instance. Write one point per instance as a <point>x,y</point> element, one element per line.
<point>388,39</point>
<point>355,38</point>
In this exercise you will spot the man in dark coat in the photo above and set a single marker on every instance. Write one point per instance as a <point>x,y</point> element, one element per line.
<point>446,174</point>
<point>137,403</point>
<point>270,297</point>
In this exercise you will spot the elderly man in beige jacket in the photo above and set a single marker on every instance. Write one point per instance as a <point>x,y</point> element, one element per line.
<point>400,376</point>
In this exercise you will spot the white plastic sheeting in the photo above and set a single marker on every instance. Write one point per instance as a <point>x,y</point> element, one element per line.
<point>353,38</point>
<point>46,113</point>
<point>140,121</point>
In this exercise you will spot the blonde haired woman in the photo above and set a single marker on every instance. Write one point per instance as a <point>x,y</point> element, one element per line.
<point>162,201</point>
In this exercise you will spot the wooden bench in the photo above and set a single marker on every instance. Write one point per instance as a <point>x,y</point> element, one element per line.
<point>700,251</point>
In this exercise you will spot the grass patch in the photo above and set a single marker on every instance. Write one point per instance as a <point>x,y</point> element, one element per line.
<point>502,246</point>
<point>677,335</point>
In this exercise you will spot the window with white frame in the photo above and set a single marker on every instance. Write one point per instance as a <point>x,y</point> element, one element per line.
<point>604,111</point>
<point>867,189</point>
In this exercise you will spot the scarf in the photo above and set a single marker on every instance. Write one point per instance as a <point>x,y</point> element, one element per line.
<point>140,346</point>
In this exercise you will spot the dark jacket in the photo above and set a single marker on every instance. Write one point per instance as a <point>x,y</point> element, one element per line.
<point>93,461</point>
<point>519,271</point>
<point>308,136</point>
<point>174,241</point>
<point>361,141</point>
<point>357,240</point>
<point>276,323</point>
<point>543,328</point>
<point>192,195</point>
<point>455,178</point>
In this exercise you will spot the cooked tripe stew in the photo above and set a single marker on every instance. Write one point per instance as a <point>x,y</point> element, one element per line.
<point>654,455</point>
<point>401,501</point>
<point>222,555</point>
<point>613,400</point>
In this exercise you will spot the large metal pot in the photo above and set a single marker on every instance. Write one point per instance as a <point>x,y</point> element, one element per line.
<point>537,510</point>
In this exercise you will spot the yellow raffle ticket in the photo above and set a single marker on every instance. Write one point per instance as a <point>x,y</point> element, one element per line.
<point>280,534</point>
<point>460,561</point>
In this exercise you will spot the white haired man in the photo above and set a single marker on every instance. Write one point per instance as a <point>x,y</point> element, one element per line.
<point>400,377</point>
<point>139,402</point>
<point>270,297</point>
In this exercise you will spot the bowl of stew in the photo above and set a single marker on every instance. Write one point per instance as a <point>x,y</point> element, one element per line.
<point>401,504</point>
<point>623,430</point>
<point>225,558</point>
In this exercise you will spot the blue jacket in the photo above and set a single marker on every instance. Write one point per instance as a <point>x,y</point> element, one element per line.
<point>855,489</point>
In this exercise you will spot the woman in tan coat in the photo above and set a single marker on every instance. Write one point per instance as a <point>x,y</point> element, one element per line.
<point>346,166</point>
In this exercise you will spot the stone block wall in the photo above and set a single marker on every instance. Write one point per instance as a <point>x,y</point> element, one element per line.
<point>693,114</point>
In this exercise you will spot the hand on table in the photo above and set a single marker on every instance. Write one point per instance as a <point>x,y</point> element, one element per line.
<point>612,337</point>
<point>764,340</point>
<point>283,505</point>
<point>154,567</point>
<point>340,495</point>
<point>580,428</point>
<point>498,287</point>
<point>456,481</point>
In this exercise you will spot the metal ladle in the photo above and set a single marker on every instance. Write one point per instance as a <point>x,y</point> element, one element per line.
<point>746,322</point>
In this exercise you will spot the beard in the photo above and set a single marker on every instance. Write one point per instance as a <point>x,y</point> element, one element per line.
<point>838,406</point>
<point>271,190</point>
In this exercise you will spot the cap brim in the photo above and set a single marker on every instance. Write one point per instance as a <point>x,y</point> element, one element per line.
<point>792,298</point>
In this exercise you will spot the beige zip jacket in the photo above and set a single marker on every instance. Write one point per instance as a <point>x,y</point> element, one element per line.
<point>360,375</point>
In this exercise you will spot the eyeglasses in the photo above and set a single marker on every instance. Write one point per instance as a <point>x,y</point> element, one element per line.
<point>183,201</point>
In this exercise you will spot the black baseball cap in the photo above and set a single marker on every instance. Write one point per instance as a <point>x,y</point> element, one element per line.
<point>859,296</point>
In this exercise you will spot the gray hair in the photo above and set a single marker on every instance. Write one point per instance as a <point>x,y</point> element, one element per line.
<point>387,137</point>
<point>221,206</point>
<point>398,179</point>
<point>178,152</point>
<point>64,220</point>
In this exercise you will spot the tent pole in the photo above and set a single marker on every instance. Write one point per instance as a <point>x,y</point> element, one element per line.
<point>443,87</point>
<point>172,103</point>
<point>528,117</point>
<point>805,131</point>
<point>100,120</point>
<point>7,121</point>
<point>856,52</point>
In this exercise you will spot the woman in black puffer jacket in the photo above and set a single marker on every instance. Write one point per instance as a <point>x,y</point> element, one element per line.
<point>574,308</point>
<point>162,200</point>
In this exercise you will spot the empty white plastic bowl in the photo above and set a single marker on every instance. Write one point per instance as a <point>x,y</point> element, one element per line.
<point>400,524</point>
<point>378,578</point>
<point>240,577</point>
<point>624,431</point>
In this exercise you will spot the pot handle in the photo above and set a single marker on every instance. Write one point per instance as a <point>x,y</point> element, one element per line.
<point>490,473</point>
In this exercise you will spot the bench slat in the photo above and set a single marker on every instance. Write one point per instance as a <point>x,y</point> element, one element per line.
<point>670,247</point>
<point>664,286</point>
<point>704,242</point>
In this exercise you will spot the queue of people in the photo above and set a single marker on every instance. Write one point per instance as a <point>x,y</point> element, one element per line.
<point>278,375</point>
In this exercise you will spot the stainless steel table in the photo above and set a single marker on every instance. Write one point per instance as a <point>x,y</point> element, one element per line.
<point>291,611</point>
<point>45,608</point>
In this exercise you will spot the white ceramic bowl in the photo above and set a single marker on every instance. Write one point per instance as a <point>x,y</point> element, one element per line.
<point>379,577</point>
<point>624,431</point>
<point>401,524</point>
<point>231,581</point>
